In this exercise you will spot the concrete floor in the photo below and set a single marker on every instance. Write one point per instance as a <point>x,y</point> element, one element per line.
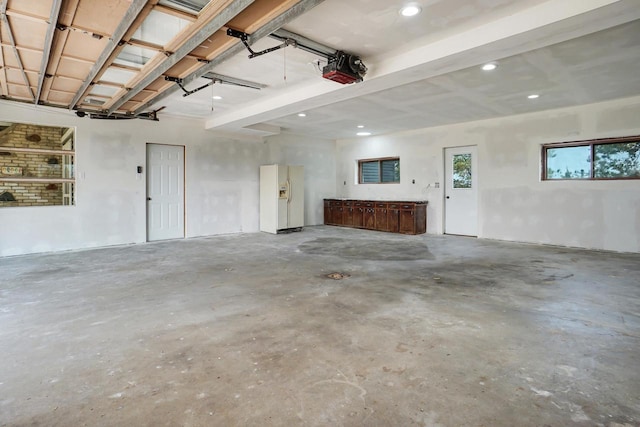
<point>248,330</point>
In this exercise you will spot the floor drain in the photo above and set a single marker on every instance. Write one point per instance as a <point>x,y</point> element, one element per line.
<point>338,276</point>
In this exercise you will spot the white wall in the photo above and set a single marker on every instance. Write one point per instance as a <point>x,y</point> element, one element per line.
<point>318,158</point>
<point>221,180</point>
<point>514,204</point>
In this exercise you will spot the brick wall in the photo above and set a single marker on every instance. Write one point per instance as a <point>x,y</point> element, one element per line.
<point>33,165</point>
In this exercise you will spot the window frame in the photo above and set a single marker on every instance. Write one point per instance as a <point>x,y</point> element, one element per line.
<point>591,143</point>
<point>68,183</point>
<point>379,160</point>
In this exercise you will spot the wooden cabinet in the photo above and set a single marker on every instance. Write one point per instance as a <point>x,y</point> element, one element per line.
<point>382,220</point>
<point>394,217</point>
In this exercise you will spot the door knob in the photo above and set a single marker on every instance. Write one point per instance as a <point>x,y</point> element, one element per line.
<point>447,197</point>
<point>148,198</point>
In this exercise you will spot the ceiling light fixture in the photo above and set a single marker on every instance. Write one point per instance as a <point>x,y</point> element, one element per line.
<point>363,133</point>
<point>533,96</point>
<point>302,115</point>
<point>360,126</point>
<point>490,66</point>
<point>217,97</point>
<point>410,10</point>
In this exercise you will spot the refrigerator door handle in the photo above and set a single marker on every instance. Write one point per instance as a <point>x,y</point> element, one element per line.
<point>288,191</point>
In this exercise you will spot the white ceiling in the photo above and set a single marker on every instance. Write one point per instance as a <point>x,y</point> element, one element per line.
<point>424,71</point>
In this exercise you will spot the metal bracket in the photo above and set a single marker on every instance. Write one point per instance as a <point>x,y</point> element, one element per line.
<point>244,37</point>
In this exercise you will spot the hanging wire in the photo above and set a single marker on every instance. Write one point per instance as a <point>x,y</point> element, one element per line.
<point>284,56</point>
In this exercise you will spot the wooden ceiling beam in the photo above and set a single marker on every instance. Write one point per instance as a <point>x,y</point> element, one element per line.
<point>53,22</point>
<point>3,14</point>
<point>295,11</point>
<point>70,8</point>
<point>4,90</point>
<point>208,26</point>
<point>146,45</point>
<point>175,12</point>
<point>123,27</point>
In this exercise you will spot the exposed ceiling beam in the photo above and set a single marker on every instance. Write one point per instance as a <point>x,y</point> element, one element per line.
<point>67,15</point>
<point>268,28</point>
<point>4,89</point>
<point>3,13</point>
<point>53,22</point>
<point>126,22</point>
<point>196,40</point>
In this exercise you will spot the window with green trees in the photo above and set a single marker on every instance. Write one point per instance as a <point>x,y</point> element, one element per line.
<point>613,158</point>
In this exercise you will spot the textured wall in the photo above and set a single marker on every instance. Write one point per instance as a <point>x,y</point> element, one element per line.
<point>221,182</point>
<point>514,204</point>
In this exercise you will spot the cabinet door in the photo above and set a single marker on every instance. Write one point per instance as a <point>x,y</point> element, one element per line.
<point>382,219</point>
<point>327,213</point>
<point>337,215</point>
<point>407,221</point>
<point>358,219</point>
<point>369,218</point>
<point>347,216</point>
<point>393,218</point>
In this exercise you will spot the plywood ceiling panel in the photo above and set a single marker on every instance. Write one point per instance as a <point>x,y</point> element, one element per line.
<point>217,43</point>
<point>143,96</point>
<point>66,85</point>
<point>101,16</point>
<point>19,92</point>
<point>28,33</point>
<point>183,67</point>
<point>30,59</point>
<point>75,69</point>
<point>40,8</point>
<point>60,98</point>
<point>14,76</point>
<point>258,13</point>
<point>80,45</point>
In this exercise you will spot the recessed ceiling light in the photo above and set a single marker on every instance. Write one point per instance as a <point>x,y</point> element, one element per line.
<point>490,66</point>
<point>360,126</point>
<point>410,10</point>
<point>218,97</point>
<point>363,133</point>
<point>302,115</point>
<point>533,96</point>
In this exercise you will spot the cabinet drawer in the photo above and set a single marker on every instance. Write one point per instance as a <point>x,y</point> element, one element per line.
<point>407,206</point>
<point>381,205</point>
<point>335,203</point>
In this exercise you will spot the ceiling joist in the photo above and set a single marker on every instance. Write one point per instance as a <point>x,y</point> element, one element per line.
<point>210,27</point>
<point>125,24</point>
<point>266,29</point>
<point>12,41</point>
<point>53,20</point>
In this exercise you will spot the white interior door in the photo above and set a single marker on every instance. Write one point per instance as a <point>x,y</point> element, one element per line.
<point>165,192</point>
<point>461,191</point>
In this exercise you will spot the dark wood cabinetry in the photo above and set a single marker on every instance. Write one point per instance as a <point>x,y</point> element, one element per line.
<point>394,217</point>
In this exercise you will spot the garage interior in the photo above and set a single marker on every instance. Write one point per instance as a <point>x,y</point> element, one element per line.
<point>528,316</point>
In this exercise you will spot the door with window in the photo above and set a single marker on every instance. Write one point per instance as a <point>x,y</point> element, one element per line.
<point>461,191</point>
<point>165,192</point>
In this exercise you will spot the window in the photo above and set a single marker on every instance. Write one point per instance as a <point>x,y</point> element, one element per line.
<point>36,165</point>
<point>612,158</point>
<point>377,171</point>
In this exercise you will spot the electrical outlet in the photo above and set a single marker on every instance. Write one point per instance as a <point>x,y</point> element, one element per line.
<point>437,185</point>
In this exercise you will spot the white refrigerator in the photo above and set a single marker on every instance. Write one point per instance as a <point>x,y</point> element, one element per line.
<point>281,198</point>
